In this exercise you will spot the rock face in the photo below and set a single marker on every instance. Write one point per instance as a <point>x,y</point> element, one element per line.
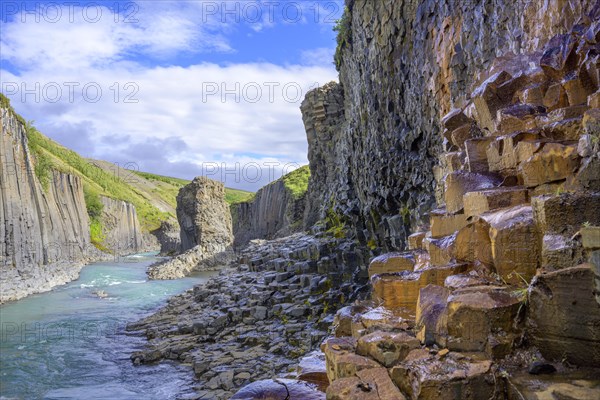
<point>204,217</point>
<point>122,227</point>
<point>44,233</point>
<point>168,235</point>
<point>374,139</point>
<point>206,235</point>
<point>273,212</point>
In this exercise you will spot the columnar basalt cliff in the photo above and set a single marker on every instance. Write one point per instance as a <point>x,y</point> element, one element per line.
<point>45,227</point>
<point>122,227</point>
<point>273,212</point>
<point>44,232</point>
<point>403,65</point>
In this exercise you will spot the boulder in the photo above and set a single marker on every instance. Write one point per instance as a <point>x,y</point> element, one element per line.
<point>343,319</point>
<point>553,162</point>
<point>481,317</point>
<point>476,152</point>
<point>555,97</point>
<point>431,315</point>
<point>506,239</point>
<point>567,212</point>
<point>441,251</point>
<point>501,153</point>
<point>387,348</point>
<point>371,384</point>
<point>459,183</point>
<point>342,361</point>
<point>415,241</point>
<point>488,101</point>
<point>444,224</point>
<point>564,317</point>
<point>279,389</point>
<point>397,262</point>
<point>453,377</point>
<point>401,290</point>
<point>479,202</point>
<point>518,117</point>
<point>559,56</point>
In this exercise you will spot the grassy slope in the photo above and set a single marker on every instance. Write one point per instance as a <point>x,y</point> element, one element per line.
<point>154,196</point>
<point>297,181</point>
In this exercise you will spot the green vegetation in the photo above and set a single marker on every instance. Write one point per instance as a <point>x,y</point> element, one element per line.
<point>297,181</point>
<point>235,196</point>
<point>162,178</point>
<point>336,226</point>
<point>343,27</point>
<point>51,155</point>
<point>5,103</point>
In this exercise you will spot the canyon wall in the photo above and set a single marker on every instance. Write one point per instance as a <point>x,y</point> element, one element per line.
<point>273,212</point>
<point>45,228</point>
<point>403,65</point>
<point>122,228</point>
<point>44,233</point>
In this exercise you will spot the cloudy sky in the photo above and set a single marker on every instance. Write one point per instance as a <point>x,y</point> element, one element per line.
<point>179,88</point>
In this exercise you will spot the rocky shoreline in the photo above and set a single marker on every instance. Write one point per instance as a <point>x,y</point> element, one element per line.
<point>258,317</point>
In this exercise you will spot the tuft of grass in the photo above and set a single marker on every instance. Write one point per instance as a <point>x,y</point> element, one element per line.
<point>297,181</point>
<point>343,27</point>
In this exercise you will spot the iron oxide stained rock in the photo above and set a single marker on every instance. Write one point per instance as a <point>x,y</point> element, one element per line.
<point>387,348</point>
<point>383,319</point>
<point>415,241</point>
<point>279,389</point>
<point>518,117</point>
<point>459,183</point>
<point>464,133</point>
<point>401,290</point>
<point>423,376</point>
<point>553,162</point>
<point>559,56</point>
<point>441,251</point>
<point>555,97</point>
<point>479,202</point>
<point>343,319</point>
<point>505,239</point>
<point>397,262</point>
<point>487,101</point>
<point>476,151</point>
<point>455,119</point>
<point>502,154</point>
<point>480,318</point>
<point>342,360</point>
<point>566,130</point>
<point>444,224</point>
<point>371,384</point>
<point>564,317</point>
<point>431,324</point>
<point>566,213</point>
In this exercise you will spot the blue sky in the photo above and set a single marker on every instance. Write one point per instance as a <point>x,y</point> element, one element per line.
<point>178,88</point>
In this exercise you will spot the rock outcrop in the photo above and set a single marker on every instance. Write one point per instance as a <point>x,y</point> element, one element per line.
<point>206,232</point>
<point>44,232</point>
<point>204,216</point>
<point>403,66</point>
<point>169,237</point>
<point>500,281</point>
<point>121,227</point>
<point>273,212</point>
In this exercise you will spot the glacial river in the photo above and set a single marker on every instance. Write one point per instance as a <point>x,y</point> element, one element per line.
<point>71,344</point>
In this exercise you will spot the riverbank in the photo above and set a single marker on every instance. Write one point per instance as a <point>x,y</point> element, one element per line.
<point>70,343</point>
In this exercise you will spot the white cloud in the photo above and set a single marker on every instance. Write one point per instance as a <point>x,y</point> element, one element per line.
<point>182,117</point>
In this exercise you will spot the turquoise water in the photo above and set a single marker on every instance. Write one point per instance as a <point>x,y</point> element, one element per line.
<point>71,344</point>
